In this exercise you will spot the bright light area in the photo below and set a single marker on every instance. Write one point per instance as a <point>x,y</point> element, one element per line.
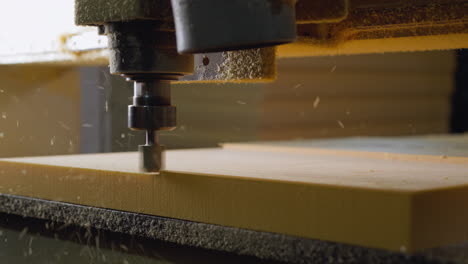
<point>32,26</point>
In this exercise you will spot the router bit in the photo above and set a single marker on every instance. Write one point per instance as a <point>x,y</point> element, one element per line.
<point>152,154</point>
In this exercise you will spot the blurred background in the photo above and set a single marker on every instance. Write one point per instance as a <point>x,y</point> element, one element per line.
<point>57,96</point>
<point>55,109</point>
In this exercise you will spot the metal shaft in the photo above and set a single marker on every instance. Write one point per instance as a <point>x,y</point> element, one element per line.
<point>151,137</point>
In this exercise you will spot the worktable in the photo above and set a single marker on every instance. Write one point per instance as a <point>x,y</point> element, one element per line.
<point>388,194</point>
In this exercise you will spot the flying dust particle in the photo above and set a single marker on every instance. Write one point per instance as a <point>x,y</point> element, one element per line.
<point>122,135</point>
<point>24,172</point>
<point>403,249</point>
<point>119,143</point>
<point>4,115</point>
<point>241,102</point>
<point>2,135</point>
<point>333,69</point>
<point>340,123</point>
<point>30,246</point>
<point>23,233</point>
<point>316,102</point>
<point>123,247</point>
<point>63,125</point>
<point>87,125</point>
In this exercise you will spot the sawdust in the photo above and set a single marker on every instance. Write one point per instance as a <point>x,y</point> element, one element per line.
<point>248,64</point>
<point>380,23</point>
<point>330,11</point>
<point>431,25</point>
<point>97,12</point>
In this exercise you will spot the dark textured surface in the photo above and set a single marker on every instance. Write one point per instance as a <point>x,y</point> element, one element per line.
<point>98,12</point>
<point>239,241</point>
<point>459,118</point>
<point>31,240</point>
<point>330,11</point>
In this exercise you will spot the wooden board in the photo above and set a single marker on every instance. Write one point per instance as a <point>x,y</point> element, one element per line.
<point>452,148</point>
<point>49,94</point>
<point>383,201</point>
<point>366,95</point>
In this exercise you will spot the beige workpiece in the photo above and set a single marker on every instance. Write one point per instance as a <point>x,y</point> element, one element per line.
<point>382,201</point>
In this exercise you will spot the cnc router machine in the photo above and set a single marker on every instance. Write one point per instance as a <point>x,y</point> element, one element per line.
<point>358,200</point>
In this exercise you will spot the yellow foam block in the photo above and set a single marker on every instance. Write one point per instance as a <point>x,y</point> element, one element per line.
<point>401,203</point>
